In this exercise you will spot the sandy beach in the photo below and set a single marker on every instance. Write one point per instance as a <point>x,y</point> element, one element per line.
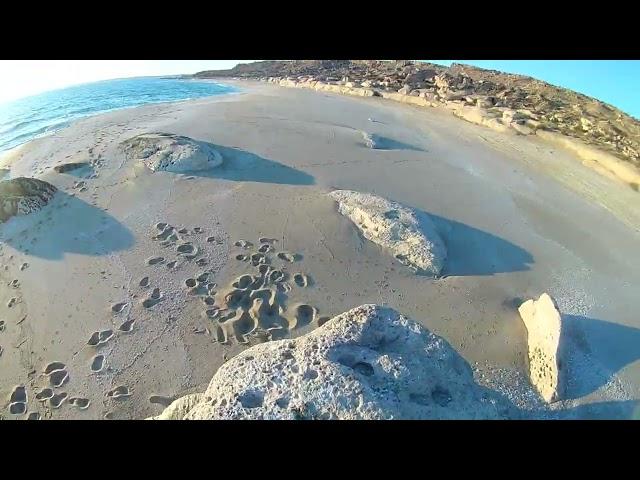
<point>519,217</point>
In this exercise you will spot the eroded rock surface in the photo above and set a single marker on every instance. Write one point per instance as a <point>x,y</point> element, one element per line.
<point>367,363</point>
<point>172,153</point>
<point>543,322</point>
<point>410,235</point>
<point>23,195</point>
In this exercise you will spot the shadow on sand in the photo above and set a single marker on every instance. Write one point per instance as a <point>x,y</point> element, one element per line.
<point>471,251</point>
<point>242,166</point>
<point>68,225</point>
<point>595,350</point>
<point>378,142</point>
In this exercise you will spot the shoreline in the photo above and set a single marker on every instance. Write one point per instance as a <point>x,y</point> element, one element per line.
<point>66,124</point>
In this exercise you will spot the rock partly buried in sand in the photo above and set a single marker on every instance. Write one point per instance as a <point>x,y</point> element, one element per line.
<point>409,234</point>
<point>172,153</point>
<point>69,167</point>
<point>542,319</point>
<point>367,363</point>
<point>23,195</point>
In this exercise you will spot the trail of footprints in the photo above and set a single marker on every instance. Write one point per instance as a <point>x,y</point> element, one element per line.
<point>254,306</point>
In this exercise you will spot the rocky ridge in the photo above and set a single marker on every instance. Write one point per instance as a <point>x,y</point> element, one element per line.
<point>594,130</point>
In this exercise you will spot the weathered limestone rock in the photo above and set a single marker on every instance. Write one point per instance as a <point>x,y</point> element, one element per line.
<point>409,235</point>
<point>367,363</point>
<point>172,153</point>
<point>543,322</point>
<point>23,195</point>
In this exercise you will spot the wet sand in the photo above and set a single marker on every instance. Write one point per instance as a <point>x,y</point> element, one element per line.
<point>519,218</point>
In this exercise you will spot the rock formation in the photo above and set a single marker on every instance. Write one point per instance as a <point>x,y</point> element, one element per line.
<point>172,153</point>
<point>501,101</point>
<point>409,235</point>
<point>367,363</point>
<point>542,319</point>
<point>22,195</point>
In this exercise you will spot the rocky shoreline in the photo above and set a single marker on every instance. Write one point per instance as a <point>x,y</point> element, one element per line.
<point>604,137</point>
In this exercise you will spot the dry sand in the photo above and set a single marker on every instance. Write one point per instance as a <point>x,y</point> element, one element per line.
<point>520,218</point>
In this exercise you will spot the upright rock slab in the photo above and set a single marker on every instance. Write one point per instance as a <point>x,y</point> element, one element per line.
<point>367,363</point>
<point>171,153</point>
<point>543,322</point>
<point>23,195</point>
<point>409,235</point>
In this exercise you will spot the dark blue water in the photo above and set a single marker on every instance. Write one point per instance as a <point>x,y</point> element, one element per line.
<point>27,118</point>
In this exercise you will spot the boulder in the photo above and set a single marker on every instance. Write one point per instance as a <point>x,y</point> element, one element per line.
<point>367,363</point>
<point>172,153</point>
<point>543,322</point>
<point>409,235</point>
<point>23,195</point>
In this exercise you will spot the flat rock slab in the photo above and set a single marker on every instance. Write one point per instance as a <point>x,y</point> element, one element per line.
<point>543,322</point>
<point>172,153</point>
<point>367,363</point>
<point>410,235</point>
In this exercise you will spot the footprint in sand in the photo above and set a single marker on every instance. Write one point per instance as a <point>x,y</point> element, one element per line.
<point>322,320</point>
<point>243,244</point>
<point>52,367</point>
<point>12,302</point>
<point>57,378</point>
<point>80,402</point>
<point>304,314</point>
<point>242,257</point>
<point>2,325</point>
<point>267,240</point>
<point>127,326</point>
<point>276,276</point>
<point>288,257</point>
<point>172,264</point>
<point>57,400</point>
<point>301,280</point>
<point>144,283</point>
<point>118,307</point>
<point>258,259</point>
<point>161,400</point>
<point>153,299</point>
<point>97,364</point>
<point>24,266</point>
<point>187,249</point>
<point>119,392</point>
<point>100,338</point>
<point>155,260</point>
<point>197,230</point>
<point>265,248</point>
<point>201,262</point>
<point>211,239</point>
<point>19,394</point>
<point>34,416</point>
<point>17,408</point>
<point>44,394</point>
<point>210,301</point>
<point>183,231</point>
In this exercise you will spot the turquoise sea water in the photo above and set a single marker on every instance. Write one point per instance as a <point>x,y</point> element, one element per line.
<point>27,118</point>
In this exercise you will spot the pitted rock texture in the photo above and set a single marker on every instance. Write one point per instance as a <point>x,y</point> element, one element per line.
<point>367,363</point>
<point>23,195</point>
<point>172,153</point>
<point>543,322</point>
<point>410,235</point>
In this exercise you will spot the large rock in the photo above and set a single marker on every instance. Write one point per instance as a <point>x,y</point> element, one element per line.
<point>367,363</point>
<point>23,195</point>
<point>172,153</point>
<point>410,235</point>
<point>542,319</point>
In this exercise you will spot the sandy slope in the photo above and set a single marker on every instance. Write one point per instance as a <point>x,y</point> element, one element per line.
<point>513,212</point>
